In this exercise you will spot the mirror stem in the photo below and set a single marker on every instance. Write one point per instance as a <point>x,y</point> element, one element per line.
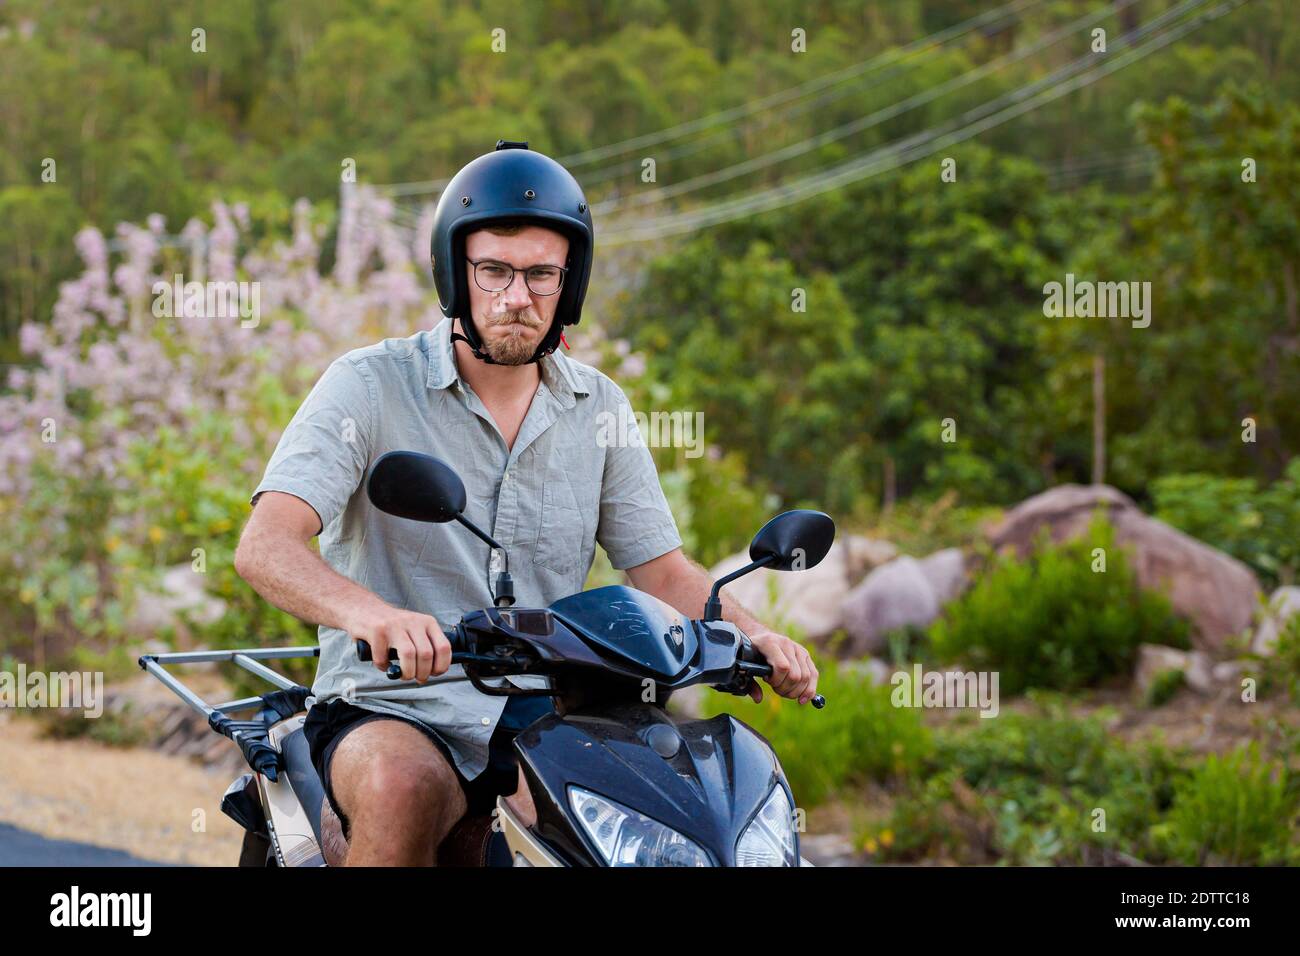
<point>713,608</point>
<point>504,591</point>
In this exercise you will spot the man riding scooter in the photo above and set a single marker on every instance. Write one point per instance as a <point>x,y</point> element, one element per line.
<point>487,392</point>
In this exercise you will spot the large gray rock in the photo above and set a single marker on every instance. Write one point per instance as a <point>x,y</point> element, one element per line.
<point>1213,590</point>
<point>1283,605</point>
<point>897,594</point>
<point>904,592</point>
<point>946,572</point>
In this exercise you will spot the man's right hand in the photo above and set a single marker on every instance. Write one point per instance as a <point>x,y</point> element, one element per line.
<point>421,646</point>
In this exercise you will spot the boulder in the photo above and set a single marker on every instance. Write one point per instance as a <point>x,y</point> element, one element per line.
<point>1283,605</point>
<point>1213,590</point>
<point>946,572</point>
<point>904,592</point>
<point>809,600</point>
<point>894,595</point>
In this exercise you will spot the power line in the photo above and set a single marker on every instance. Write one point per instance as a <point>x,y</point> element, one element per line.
<point>913,148</point>
<point>830,79</point>
<point>888,58</point>
<point>862,123</point>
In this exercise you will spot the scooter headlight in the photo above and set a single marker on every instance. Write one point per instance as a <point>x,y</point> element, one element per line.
<point>769,838</point>
<point>627,838</point>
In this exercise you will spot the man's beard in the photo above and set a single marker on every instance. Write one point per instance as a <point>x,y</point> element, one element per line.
<point>512,348</point>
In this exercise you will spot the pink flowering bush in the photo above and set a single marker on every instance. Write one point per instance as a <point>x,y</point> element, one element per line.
<point>132,440</point>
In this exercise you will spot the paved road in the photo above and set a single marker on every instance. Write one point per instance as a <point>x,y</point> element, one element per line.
<point>23,848</point>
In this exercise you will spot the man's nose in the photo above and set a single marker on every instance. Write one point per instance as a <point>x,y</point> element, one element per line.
<point>515,295</point>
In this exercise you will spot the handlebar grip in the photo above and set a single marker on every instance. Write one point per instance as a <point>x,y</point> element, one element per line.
<point>366,653</point>
<point>752,655</point>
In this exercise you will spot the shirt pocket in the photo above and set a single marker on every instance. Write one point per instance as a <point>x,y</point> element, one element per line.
<point>561,529</point>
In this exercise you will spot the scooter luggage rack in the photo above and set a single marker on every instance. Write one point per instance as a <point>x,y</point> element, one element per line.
<point>250,735</point>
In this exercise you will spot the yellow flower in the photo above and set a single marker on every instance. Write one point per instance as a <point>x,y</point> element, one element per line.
<point>869,845</point>
<point>113,543</point>
<point>886,838</point>
<point>155,534</point>
<point>219,526</point>
<point>27,595</point>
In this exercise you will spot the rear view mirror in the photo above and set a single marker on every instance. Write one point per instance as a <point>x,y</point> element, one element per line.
<point>415,486</point>
<point>793,541</point>
<point>411,485</point>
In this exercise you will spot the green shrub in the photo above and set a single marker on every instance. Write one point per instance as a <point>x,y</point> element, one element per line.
<point>194,488</point>
<point>859,736</point>
<point>1026,789</point>
<point>1257,526</point>
<point>112,728</point>
<point>1281,669</point>
<point>1164,686</point>
<point>1051,621</point>
<point>1233,810</point>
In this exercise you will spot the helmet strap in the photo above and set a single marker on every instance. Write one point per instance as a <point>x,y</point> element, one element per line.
<point>550,342</point>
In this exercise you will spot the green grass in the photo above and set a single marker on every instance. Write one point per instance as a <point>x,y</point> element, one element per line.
<point>858,736</point>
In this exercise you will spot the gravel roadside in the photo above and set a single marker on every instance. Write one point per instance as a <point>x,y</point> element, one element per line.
<point>151,805</point>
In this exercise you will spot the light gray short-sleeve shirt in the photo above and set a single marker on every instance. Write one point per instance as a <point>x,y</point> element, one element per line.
<point>563,487</point>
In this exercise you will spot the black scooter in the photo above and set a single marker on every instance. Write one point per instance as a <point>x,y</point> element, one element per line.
<point>615,779</point>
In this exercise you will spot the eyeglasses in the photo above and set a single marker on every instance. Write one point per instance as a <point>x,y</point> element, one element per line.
<point>491,275</point>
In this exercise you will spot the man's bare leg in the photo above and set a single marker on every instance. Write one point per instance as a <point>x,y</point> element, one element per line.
<point>333,845</point>
<point>400,794</point>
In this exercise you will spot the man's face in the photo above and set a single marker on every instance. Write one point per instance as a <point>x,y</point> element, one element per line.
<point>513,322</point>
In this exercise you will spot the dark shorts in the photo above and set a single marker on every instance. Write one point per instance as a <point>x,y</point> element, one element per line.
<point>329,723</point>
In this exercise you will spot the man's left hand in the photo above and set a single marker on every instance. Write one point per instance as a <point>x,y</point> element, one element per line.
<point>794,675</point>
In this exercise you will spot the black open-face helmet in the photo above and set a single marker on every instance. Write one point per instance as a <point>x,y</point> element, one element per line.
<point>511,184</point>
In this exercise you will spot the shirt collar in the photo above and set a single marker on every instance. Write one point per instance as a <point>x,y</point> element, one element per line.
<point>557,370</point>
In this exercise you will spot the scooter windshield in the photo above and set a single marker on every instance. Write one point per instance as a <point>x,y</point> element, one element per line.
<point>632,624</point>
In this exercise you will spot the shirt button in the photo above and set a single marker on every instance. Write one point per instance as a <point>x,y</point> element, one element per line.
<point>487,721</point>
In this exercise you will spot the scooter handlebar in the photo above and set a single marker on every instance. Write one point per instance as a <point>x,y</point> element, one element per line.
<point>752,662</point>
<point>365,653</point>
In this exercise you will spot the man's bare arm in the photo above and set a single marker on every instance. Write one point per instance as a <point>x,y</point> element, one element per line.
<point>681,582</point>
<point>274,557</point>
